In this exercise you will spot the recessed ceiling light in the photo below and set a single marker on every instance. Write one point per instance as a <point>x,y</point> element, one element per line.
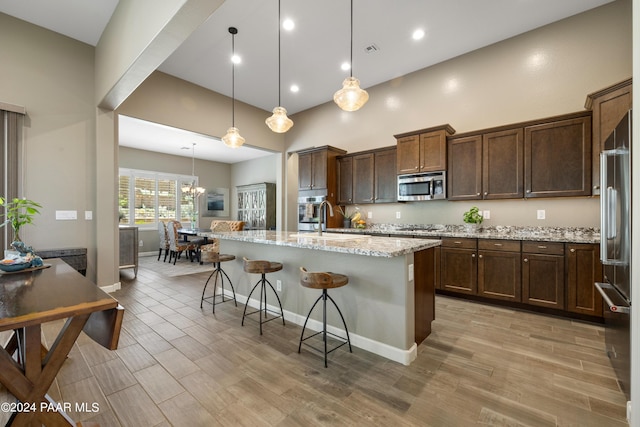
<point>236,59</point>
<point>418,34</point>
<point>288,24</point>
<point>294,88</point>
<point>345,66</point>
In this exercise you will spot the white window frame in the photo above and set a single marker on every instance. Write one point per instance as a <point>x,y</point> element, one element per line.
<point>156,176</point>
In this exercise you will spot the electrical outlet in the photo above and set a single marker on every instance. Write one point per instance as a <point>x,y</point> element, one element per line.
<point>88,215</point>
<point>541,214</point>
<point>369,214</point>
<point>141,243</point>
<point>278,285</point>
<point>398,215</point>
<point>486,214</point>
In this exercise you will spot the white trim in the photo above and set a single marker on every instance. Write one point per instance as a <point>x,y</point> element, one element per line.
<point>392,353</point>
<point>111,288</point>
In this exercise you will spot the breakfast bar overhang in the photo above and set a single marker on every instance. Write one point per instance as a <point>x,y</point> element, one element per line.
<point>388,304</point>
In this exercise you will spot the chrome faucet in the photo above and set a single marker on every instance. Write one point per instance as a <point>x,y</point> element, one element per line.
<point>324,202</point>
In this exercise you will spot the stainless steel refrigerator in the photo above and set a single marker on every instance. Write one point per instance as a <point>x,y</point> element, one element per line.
<point>615,248</point>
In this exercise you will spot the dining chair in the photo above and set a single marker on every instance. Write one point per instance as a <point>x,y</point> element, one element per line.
<point>176,246</point>
<point>164,240</point>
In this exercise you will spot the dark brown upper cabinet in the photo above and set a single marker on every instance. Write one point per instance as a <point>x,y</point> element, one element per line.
<point>367,177</point>
<point>423,150</point>
<point>558,157</point>
<point>317,169</point>
<point>502,167</point>
<point>609,105</point>
<point>345,180</point>
<point>464,171</point>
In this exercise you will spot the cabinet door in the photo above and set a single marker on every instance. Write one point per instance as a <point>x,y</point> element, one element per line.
<point>345,180</point>
<point>385,178</point>
<point>458,271</point>
<point>558,158</point>
<point>609,107</point>
<point>499,269</point>
<point>305,171</point>
<point>408,155</point>
<point>464,174</point>
<point>583,270</point>
<point>319,169</point>
<point>363,169</point>
<point>433,151</point>
<point>502,164</point>
<point>543,280</point>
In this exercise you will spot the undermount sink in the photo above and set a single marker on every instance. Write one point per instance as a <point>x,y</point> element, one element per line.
<point>328,236</point>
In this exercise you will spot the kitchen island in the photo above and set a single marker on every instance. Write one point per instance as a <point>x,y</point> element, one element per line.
<point>388,304</point>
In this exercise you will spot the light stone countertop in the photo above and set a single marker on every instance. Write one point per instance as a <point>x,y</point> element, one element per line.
<point>545,234</point>
<point>375,246</point>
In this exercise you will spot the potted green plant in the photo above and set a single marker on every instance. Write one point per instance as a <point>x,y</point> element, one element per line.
<point>472,219</point>
<point>18,212</point>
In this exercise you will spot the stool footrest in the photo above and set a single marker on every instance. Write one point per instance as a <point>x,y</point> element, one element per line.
<point>321,351</point>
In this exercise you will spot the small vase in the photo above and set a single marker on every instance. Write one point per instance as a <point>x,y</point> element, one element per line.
<point>346,223</point>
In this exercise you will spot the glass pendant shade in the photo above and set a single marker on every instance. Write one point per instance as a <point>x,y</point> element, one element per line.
<point>232,138</point>
<point>279,122</point>
<point>351,97</point>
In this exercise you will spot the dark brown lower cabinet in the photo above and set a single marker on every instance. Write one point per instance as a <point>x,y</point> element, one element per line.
<point>459,265</point>
<point>499,269</point>
<point>543,274</point>
<point>583,270</point>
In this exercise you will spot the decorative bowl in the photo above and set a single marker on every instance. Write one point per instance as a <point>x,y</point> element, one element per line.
<point>14,266</point>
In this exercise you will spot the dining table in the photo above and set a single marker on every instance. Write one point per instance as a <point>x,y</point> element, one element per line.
<point>35,296</point>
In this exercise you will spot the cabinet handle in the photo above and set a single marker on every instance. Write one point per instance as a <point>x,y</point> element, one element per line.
<point>486,193</point>
<point>457,243</point>
<point>497,244</point>
<point>572,250</point>
<point>528,191</point>
<point>525,260</point>
<point>479,256</point>
<point>542,247</point>
<point>477,194</point>
<point>473,255</point>
<point>596,187</point>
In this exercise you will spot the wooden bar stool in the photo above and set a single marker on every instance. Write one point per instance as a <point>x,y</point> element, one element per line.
<point>217,258</point>
<point>324,281</point>
<point>262,268</point>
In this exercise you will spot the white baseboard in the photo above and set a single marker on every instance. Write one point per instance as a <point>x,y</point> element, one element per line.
<point>392,353</point>
<point>111,288</point>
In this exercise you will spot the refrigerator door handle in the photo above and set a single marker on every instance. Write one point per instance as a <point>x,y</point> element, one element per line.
<point>608,208</point>
<point>614,308</point>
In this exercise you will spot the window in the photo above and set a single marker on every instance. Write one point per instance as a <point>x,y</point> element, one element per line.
<point>146,197</point>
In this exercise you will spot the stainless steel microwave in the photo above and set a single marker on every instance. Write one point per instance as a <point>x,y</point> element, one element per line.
<point>422,186</point>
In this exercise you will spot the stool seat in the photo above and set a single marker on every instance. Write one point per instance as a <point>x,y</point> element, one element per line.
<point>262,267</point>
<point>216,257</point>
<point>322,280</point>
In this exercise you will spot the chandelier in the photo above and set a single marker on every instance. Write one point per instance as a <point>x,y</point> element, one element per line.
<point>191,189</point>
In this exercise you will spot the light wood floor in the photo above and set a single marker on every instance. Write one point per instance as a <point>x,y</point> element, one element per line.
<point>182,366</point>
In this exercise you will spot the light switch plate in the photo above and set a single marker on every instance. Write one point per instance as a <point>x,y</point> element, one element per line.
<point>369,214</point>
<point>486,214</point>
<point>410,272</point>
<point>66,215</point>
<point>88,215</point>
<point>398,215</point>
<point>541,214</point>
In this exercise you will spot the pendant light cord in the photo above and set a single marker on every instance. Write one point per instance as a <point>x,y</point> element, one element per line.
<point>351,55</point>
<point>233,78</point>
<point>279,61</point>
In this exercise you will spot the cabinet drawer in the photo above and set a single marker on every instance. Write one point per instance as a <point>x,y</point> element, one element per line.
<point>452,242</point>
<point>499,245</point>
<point>551,248</point>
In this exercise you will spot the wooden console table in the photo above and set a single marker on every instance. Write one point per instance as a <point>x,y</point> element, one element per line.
<point>29,299</point>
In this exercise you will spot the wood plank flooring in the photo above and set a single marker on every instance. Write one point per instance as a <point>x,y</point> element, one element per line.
<point>179,365</point>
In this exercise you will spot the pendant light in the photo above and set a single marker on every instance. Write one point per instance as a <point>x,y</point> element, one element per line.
<point>351,97</point>
<point>232,138</point>
<point>279,122</point>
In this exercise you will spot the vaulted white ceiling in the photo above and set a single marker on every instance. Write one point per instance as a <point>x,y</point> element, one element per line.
<point>311,54</point>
